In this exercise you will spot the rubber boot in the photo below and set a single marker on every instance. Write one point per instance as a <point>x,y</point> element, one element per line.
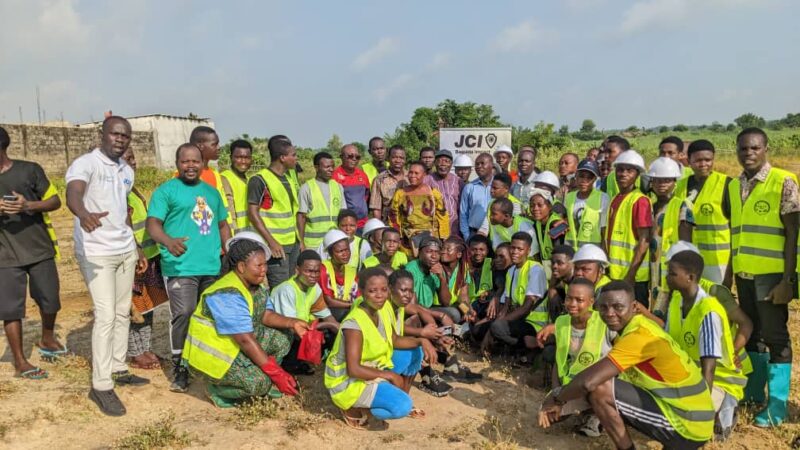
<point>757,379</point>
<point>778,386</point>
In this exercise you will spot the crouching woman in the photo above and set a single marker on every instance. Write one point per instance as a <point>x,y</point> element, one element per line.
<point>359,373</point>
<point>226,343</point>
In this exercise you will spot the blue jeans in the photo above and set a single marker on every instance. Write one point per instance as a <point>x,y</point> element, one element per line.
<point>407,362</point>
<point>390,402</point>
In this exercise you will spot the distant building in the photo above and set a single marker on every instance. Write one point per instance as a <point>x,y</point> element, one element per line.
<point>168,133</point>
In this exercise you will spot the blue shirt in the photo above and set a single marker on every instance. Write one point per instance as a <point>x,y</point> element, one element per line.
<point>474,206</point>
<point>230,312</point>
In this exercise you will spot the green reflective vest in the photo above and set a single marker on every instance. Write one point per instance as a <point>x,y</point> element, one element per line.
<point>543,236</point>
<point>281,218</point>
<point>484,283</point>
<point>712,231</point>
<point>612,188</point>
<point>590,351</point>
<point>51,231</point>
<point>138,218</point>
<point>322,216</point>
<point>372,171</point>
<point>539,316</point>
<point>238,191</point>
<point>399,259</point>
<point>505,233</point>
<point>205,350</point>
<point>303,301</point>
<point>622,243</point>
<point>669,233</point>
<point>349,280</point>
<point>589,231</point>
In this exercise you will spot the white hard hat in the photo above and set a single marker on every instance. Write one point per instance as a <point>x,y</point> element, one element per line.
<point>332,237</point>
<point>544,193</point>
<point>681,246</point>
<point>631,158</point>
<point>372,225</point>
<point>548,178</point>
<point>250,236</point>
<point>462,161</point>
<point>664,167</point>
<point>590,252</point>
<point>504,149</point>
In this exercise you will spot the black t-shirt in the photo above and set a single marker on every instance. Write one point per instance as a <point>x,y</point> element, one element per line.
<point>258,193</point>
<point>23,237</point>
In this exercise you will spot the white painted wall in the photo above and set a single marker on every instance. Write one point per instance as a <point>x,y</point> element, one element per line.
<point>169,132</point>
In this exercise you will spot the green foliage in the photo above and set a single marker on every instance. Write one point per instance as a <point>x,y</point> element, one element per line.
<point>334,145</point>
<point>563,131</point>
<point>588,126</point>
<point>730,127</point>
<point>680,128</point>
<point>750,120</point>
<point>159,434</point>
<point>716,127</point>
<point>663,129</point>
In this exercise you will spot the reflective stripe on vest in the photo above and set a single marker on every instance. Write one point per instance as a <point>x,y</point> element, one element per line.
<point>323,215</point>
<point>539,316</point>
<point>669,233</point>
<point>349,280</point>
<point>711,233</point>
<point>280,219</point>
<point>483,284</point>
<point>757,233</point>
<point>545,243</point>
<point>686,404</point>
<point>205,350</point>
<point>138,218</point>
<point>590,350</point>
<point>376,351</point>
<point>622,242</point>
<point>686,332</point>
<point>51,231</point>
<point>239,193</point>
<point>589,230</point>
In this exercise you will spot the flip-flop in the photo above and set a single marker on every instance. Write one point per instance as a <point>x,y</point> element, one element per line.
<point>33,374</point>
<point>150,366</point>
<point>53,355</point>
<point>357,423</point>
<point>416,413</point>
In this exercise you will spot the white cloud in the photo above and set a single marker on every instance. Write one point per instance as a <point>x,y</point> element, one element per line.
<point>665,14</point>
<point>381,49</point>
<point>397,83</point>
<point>522,37</point>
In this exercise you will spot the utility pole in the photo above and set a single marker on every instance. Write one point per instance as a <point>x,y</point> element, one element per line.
<point>20,114</point>
<point>38,105</point>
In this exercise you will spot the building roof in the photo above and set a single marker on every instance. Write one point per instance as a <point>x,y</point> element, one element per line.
<point>168,116</point>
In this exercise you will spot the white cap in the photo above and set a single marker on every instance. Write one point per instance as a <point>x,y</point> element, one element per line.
<point>591,252</point>
<point>543,193</point>
<point>631,158</point>
<point>664,167</point>
<point>681,246</point>
<point>504,149</point>
<point>249,236</point>
<point>548,178</point>
<point>372,225</point>
<point>332,237</point>
<point>462,161</point>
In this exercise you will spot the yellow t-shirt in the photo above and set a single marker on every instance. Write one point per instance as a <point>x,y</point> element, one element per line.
<point>650,354</point>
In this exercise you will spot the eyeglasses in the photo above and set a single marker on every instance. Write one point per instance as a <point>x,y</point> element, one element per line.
<point>355,156</point>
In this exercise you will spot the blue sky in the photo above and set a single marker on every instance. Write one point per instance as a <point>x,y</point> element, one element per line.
<point>359,68</point>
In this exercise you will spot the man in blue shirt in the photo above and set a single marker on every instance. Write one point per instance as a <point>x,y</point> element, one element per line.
<point>475,197</point>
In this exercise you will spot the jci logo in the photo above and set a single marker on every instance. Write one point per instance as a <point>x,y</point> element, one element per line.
<point>475,141</point>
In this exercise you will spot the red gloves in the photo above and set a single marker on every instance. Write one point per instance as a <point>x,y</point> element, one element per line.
<point>280,378</point>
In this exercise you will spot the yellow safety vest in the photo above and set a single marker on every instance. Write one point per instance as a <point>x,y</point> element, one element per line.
<point>505,233</point>
<point>623,242</point>
<point>539,316</point>
<point>484,283</point>
<point>514,201</point>
<point>238,210</point>
<point>323,215</point>
<point>543,235</point>
<point>686,332</point>
<point>206,350</point>
<point>281,218</point>
<point>394,316</point>
<point>686,404</point>
<point>355,257</point>
<point>399,259</point>
<point>48,223</point>
<point>138,218</point>
<point>669,233</point>
<point>589,231</point>
<point>590,351</point>
<point>303,301</point>
<point>712,230</point>
<point>349,279</point>
<point>376,351</point>
<point>757,233</point>
<point>371,171</point>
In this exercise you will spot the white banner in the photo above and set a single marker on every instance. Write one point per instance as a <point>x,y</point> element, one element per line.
<point>473,141</point>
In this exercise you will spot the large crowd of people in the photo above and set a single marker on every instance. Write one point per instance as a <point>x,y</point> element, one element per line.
<point>611,279</point>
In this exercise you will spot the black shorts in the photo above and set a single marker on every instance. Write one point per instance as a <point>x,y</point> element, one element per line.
<point>639,410</point>
<point>43,280</point>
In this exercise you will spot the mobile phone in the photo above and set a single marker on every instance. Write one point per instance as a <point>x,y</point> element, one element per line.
<point>446,331</point>
<point>10,198</point>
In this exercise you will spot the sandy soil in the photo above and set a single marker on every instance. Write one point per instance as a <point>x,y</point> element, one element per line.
<point>498,413</point>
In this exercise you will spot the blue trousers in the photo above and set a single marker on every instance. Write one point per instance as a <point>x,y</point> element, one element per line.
<point>391,402</point>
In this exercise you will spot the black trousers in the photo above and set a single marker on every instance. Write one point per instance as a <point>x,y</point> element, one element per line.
<point>770,330</point>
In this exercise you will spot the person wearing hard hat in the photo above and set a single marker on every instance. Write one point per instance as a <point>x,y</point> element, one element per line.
<point>549,181</point>
<point>386,183</point>
<point>526,172</point>
<point>765,210</point>
<point>320,200</point>
<point>591,262</point>
<point>675,148</point>
<point>612,147</point>
<point>475,197</point>
<point>586,208</point>
<point>337,278</point>
<point>550,228</point>
<point>448,184</point>
<point>709,196</point>
<point>673,221</point>
<point>462,166</point>
<point>503,156</point>
<point>630,220</point>
<point>360,248</point>
<point>373,235</point>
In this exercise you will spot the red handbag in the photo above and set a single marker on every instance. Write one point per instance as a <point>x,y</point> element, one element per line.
<point>310,349</point>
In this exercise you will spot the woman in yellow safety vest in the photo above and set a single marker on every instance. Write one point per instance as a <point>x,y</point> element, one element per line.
<point>360,374</point>
<point>227,344</point>
<point>550,228</point>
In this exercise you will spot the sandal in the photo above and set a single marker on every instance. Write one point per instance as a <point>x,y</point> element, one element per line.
<point>33,374</point>
<point>416,413</point>
<point>53,355</point>
<point>149,365</point>
<point>358,423</point>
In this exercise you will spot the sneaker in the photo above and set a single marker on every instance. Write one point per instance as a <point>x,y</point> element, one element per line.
<point>434,385</point>
<point>463,375</point>
<point>126,378</point>
<point>108,402</point>
<point>180,380</point>
<point>591,427</point>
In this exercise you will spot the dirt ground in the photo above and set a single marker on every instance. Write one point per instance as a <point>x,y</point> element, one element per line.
<point>498,413</point>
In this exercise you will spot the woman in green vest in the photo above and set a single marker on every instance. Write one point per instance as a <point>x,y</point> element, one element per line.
<point>550,228</point>
<point>359,373</point>
<point>227,344</point>
<point>339,279</point>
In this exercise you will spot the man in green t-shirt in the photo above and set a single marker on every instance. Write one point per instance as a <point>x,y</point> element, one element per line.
<point>187,218</point>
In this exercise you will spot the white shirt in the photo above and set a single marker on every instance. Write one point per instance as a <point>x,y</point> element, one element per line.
<point>536,283</point>
<point>107,186</point>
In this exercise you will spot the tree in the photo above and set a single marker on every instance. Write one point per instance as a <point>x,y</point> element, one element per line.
<point>716,127</point>
<point>632,129</point>
<point>680,128</point>
<point>750,120</point>
<point>334,145</point>
<point>663,129</point>
<point>564,130</point>
<point>588,126</point>
<point>730,127</point>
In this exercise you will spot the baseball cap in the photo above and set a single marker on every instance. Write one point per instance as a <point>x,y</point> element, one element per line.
<point>589,166</point>
<point>445,153</point>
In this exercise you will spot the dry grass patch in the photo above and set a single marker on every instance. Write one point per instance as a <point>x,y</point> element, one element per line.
<point>159,434</point>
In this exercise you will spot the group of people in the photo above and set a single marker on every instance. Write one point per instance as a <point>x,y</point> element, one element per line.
<point>610,278</point>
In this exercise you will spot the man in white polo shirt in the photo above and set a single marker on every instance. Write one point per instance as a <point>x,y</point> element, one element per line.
<point>98,184</point>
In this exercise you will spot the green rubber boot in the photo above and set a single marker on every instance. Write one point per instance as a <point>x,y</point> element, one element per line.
<point>778,385</point>
<point>757,379</point>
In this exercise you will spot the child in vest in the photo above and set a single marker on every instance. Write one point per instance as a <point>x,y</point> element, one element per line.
<point>388,254</point>
<point>338,280</point>
<point>486,310</point>
<point>347,223</point>
<point>501,188</point>
<point>367,337</point>
<point>300,297</point>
